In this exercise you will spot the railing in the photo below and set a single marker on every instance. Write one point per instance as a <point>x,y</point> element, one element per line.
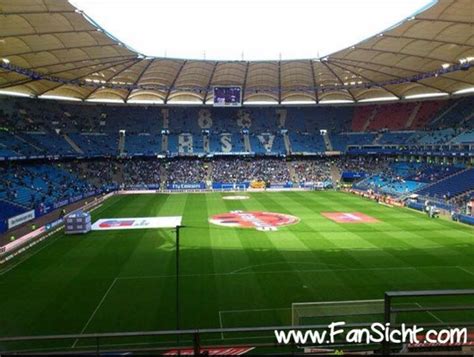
<point>258,337</point>
<point>189,339</point>
<point>390,310</point>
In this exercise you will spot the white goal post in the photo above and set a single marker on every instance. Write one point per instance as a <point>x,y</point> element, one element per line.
<point>326,312</point>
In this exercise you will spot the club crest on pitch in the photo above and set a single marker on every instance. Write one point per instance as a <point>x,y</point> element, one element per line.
<point>261,221</point>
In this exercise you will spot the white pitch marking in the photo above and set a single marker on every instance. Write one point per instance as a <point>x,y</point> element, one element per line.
<point>51,234</point>
<point>27,257</point>
<point>277,263</point>
<point>221,325</point>
<point>465,270</point>
<point>276,272</point>
<point>430,313</point>
<point>247,310</point>
<point>95,311</point>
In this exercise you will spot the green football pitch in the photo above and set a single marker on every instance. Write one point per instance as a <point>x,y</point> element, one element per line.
<point>124,280</point>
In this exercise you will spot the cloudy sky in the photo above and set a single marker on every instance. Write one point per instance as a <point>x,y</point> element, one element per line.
<point>245,29</point>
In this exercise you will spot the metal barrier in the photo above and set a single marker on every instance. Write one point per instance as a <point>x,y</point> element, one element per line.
<point>389,310</point>
<point>195,339</point>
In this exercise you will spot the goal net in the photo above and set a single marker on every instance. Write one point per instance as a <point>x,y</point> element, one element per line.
<point>324,313</point>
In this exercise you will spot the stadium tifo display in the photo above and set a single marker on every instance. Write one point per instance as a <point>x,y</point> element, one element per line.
<point>36,128</point>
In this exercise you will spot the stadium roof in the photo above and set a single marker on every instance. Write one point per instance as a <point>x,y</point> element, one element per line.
<point>49,48</point>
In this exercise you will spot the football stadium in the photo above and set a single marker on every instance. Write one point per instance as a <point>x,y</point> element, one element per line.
<point>161,205</point>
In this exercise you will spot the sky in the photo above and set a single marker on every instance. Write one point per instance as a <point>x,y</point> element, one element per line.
<point>245,29</point>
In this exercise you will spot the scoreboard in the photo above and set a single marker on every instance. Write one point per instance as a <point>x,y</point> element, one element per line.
<point>227,96</point>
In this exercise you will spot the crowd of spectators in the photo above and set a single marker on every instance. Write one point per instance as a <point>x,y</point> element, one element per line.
<point>370,165</point>
<point>230,170</point>
<point>432,173</point>
<point>312,170</point>
<point>241,170</point>
<point>100,173</point>
<point>186,171</point>
<point>141,172</point>
<point>462,200</point>
<point>34,184</point>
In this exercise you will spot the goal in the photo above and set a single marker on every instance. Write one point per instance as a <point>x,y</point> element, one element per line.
<point>324,313</point>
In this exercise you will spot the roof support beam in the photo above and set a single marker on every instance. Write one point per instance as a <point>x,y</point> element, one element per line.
<point>446,75</point>
<point>209,82</point>
<point>138,79</point>
<point>79,77</point>
<point>16,13</point>
<point>470,23</point>
<point>118,58</point>
<point>244,85</point>
<point>367,79</point>
<point>279,82</point>
<point>386,73</point>
<point>174,81</point>
<point>25,81</point>
<point>315,84</point>
<point>56,49</point>
<point>378,64</point>
<point>403,54</point>
<point>113,76</point>
<point>427,40</point>
<point>47,33</point>
<point>338,78</point>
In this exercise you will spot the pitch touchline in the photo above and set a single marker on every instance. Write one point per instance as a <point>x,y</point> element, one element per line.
<point>51,241</point>
<point>290,271</point>
<point>6,270</point>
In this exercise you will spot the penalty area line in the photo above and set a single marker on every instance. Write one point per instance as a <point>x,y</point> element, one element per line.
<point>465,270</point>
<point>430,313</point>
<point>95,311</point>
<point>222,312</point>
<point>248,310</point>
<point>277,272</point>
<point>221,324</point>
